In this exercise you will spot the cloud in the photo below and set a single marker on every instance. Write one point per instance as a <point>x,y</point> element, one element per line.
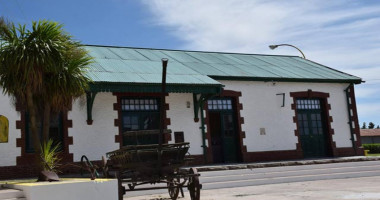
<point>342,34</point>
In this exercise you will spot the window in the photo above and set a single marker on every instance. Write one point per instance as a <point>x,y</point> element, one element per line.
<point>140,114</point>
<point>55,131</point>
<point>309,116</point>
<point>220,104</point>
<point>307,104</point>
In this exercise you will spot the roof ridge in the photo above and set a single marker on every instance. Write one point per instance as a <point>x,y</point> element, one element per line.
<point>220,52</point>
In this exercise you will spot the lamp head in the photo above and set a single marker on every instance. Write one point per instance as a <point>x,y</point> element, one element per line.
<point>273,46</point>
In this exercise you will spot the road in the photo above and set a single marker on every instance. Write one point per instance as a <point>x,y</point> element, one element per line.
<point>274,175</point>
<point>364,188</point>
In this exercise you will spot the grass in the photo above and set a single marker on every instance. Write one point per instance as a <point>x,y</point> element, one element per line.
<point>374,154</point>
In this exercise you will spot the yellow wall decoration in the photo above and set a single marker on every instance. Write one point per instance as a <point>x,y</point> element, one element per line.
<point>4,129</point>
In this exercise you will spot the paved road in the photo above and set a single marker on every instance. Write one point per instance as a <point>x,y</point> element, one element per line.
<point>364,188</point>
<point>275,175</point>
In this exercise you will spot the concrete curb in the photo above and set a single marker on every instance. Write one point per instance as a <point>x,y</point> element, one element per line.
<point>285,163</point>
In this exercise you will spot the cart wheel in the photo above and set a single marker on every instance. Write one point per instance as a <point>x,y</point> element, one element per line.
<point>173,189</point>
<point>194,186</point>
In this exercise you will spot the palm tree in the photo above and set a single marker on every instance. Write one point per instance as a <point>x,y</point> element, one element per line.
<point>41,68</point>
<point>64,87</point>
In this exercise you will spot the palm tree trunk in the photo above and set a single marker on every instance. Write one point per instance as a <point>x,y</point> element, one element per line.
<point>32,117</point>
<point>46,123</point>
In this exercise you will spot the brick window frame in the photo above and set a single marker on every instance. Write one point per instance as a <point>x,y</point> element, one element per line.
<point>27,158</point>
<point>118,120</point>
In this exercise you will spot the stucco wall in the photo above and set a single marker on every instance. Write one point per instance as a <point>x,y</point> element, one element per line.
<point>96,139</point>
<point>9,151</point>
<point>262,109</point>
<point>182,119</point>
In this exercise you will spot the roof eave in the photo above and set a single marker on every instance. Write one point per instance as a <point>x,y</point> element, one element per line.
<point>277,79</point>
<point>154,87</point>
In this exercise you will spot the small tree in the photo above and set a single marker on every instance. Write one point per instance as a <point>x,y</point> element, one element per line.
<point>371,125</point>
<point>364,125</point>
<point>378,127</point>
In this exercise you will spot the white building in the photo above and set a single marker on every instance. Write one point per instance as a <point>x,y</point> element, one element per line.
<point>230,107</point>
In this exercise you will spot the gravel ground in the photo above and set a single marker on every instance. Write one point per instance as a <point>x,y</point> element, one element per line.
<point>366,188</point>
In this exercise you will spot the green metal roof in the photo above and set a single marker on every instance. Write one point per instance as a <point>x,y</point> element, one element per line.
<point>120,66</point>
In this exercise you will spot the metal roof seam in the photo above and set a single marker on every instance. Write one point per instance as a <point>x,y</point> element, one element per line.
<point>335,70</point>
<point>305,69</point>
<point>281,67</point>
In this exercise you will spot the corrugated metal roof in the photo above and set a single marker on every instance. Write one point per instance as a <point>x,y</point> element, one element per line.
<point>137,65</point>
<point>369,132</point>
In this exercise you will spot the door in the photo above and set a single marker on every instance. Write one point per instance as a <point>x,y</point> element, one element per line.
<point>224,141</point>
<point>229,138</point>
<point>311,127</point>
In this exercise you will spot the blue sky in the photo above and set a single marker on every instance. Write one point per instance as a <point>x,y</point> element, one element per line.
<point>343,34</point>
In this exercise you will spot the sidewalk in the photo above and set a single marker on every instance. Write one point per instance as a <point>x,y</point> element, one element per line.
<point>218,167</point>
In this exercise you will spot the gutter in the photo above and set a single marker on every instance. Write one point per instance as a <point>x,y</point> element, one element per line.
<point>350,117</point>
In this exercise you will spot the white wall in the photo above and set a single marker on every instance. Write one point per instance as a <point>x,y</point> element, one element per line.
<point>9,151</point>
<point>262,109</point>
<point>182,119</point>
<point>73,189</point>
<point>96,139</point>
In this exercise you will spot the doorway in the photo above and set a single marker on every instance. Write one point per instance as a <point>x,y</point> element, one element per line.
<point>311,127</point>
<point>223,130</point>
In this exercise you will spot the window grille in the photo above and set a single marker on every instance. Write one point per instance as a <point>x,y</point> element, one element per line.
<point>308,104</point>
<point>220,104</point>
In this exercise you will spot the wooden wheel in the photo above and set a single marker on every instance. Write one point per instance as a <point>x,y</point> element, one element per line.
<point>194,186</point>
<point>173,189</point>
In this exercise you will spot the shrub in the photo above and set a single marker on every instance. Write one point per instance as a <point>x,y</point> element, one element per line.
<point>50,157</point>
<point>373,148</point>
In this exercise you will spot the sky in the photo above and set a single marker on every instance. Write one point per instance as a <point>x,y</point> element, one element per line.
<point>342,34</point>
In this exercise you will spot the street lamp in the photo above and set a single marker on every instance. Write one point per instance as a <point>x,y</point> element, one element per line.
<point>277,45</point>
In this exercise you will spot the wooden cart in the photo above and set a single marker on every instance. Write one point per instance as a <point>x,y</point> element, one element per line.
<point>138,165</point>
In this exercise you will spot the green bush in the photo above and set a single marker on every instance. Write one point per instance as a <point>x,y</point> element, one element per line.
<point>373,148</point>
<point>50,156</point>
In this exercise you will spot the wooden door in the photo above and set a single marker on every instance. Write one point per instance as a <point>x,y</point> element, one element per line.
<point>223,130</point>
<point>311,127</point>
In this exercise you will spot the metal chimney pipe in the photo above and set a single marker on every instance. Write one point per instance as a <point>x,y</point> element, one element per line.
<point>162,112</point>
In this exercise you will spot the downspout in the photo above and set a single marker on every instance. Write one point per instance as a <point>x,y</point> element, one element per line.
<point>350,117</point>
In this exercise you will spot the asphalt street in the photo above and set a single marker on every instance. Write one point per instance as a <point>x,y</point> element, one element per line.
<point>237,180</point>
<point>364,188</point>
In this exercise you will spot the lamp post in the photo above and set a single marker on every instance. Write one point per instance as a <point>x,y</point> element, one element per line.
<point>277,45</point>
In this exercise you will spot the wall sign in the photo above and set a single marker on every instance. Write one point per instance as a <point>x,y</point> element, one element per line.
<point>4,129</point>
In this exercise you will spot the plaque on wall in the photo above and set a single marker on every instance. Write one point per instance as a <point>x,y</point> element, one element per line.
<point>4,129</point>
